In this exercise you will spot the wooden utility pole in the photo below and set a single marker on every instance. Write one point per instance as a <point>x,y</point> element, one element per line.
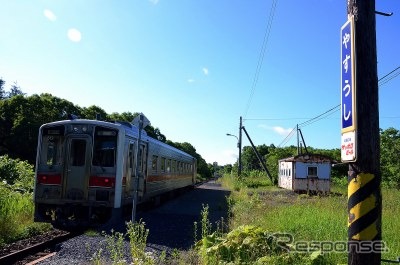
<point>240,148</point>
<point>364,178</point>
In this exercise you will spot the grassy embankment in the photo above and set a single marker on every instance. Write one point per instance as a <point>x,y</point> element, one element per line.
<point>16,216</point>
<point>307,218</point>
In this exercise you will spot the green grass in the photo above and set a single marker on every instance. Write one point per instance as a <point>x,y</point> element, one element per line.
<point>308,218</point>
<point>16,216</point>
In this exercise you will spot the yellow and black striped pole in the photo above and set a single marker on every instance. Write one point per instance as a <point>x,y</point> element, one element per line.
<point>364,218</point>
<point>364,194</point>
<point>363,206</point>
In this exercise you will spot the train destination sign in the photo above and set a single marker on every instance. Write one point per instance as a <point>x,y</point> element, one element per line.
<point>348,92</point>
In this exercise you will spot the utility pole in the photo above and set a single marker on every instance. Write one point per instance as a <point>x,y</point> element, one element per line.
<point>240,148</point>
<point>364,176</point>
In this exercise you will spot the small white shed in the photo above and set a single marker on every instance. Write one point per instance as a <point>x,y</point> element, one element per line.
<point>306,172</point>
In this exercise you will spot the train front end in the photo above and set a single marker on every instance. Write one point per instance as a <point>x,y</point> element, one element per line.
<point>76,173</point>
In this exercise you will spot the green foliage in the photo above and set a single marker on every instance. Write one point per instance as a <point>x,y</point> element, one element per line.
<point>137,240</point>
<point>254,179</point>
<point>21,117</point>
<point>92,112</point>
<point>249,157</point>
<point>16,215</point>
<point>390,151</point>
<point>18,174</point>
<point>2,89</point>
<point>248,244</point>
<point>16,205</point>
<point>115,244</point>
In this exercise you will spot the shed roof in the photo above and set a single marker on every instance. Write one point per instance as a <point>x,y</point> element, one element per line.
<point>312,158</point>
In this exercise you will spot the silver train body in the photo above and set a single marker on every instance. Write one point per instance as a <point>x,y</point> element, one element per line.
<point>86,171</point>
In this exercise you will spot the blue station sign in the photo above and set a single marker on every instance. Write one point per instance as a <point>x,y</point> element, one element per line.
<point>348,92</point>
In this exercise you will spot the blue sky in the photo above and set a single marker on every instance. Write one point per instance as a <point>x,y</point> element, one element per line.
<point>193,67</point>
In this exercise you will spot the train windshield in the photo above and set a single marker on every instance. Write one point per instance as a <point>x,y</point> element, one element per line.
<point>52,146</point>
<point>105,147</point>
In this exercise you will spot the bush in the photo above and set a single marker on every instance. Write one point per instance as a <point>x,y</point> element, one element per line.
<point>18,174</point>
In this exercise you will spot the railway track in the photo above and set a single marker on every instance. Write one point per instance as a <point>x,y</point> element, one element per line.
<point>32,250</point>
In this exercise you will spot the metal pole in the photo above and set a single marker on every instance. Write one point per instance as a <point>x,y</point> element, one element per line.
<point>298,140</point>
<point>138,158</point>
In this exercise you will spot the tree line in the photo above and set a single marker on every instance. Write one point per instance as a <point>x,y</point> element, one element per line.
<point>22,115</point>
<point>389,159</point>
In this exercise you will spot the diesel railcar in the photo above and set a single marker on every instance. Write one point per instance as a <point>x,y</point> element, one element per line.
<point>87,171</point>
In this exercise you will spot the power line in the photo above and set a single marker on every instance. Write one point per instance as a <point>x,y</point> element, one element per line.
<point>262,54</point>
<point>275,119</point>
<point>288,137</point>
<point>383,80</point>
<point>310,121</point>
<point>389,77</point>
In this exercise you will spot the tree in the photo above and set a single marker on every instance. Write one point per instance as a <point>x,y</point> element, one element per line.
<point>15,90</point>
<point>2,89</point>
<point>390,150</point>
<point>249,157</point>
<point>275,154</point>
<point>18,174</point>
<point>124,116</point>
<point>92,112</point>
<point>21,118</point>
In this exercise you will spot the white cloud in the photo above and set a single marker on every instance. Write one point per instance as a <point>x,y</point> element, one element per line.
<point>281,130</point>
<point>205,71</point>
<point>49,15</point>
<point>74,35</point>
<point>190,80</point>
<point>278,129</point>
<point>224,157</point>
<point>154,2</point>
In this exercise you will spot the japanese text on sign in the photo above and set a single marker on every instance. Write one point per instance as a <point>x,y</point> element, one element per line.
<point>347,86</point>
<point>348,93</point>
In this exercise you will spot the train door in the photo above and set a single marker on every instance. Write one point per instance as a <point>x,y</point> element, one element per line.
<point>131,169</point>
<point>77,167</point>
<point>142,169</point>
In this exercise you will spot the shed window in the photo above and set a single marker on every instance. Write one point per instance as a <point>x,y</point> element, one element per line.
<point>312,171</point>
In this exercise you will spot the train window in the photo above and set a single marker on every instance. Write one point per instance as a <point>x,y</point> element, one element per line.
<point>105,147</point>
<point>77,152</point>
<point>162,164</point>
<point>52,149</point>
<point>173,166</point>
<point>154,163</point>
<point>169,165</point>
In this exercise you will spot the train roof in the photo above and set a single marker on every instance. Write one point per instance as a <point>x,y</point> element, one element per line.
<point>127,127</point>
